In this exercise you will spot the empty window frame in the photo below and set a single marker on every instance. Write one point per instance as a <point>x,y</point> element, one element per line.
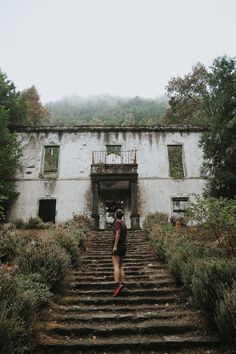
<point>47,210</point>
<point>114,149</point>
<point>175,156</point>
<point>179,205</point>
<point>51,156</point>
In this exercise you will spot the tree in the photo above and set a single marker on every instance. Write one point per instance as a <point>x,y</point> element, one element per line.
<point>11,101</point>
<point>219,142</point>
<point>186,96</point>
<point>37,114</point>
<point>209,96</point>
<point>12,112</point>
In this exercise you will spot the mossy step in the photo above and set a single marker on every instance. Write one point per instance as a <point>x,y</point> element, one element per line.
<point>135,277</point>
<point>115,316</point>
<point>110,284</point>
<point>135,342</point>
<point>120,329</point>
<point>163,308</point>
<point>134,292</point>
<point>95,301</point>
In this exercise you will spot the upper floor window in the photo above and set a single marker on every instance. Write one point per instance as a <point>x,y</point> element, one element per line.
<point>51,154</point>
<point>114,149</point>
<point>175,155</point>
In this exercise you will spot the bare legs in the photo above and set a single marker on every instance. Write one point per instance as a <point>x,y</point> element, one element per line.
<point>119,274</point>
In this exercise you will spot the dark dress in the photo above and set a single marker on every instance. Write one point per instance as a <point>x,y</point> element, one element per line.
<point>121,247</point>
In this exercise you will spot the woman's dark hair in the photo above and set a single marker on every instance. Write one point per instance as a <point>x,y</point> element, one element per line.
<point>119,213</point>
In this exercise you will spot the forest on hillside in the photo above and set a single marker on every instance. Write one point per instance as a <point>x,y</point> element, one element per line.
<point>107,110</point>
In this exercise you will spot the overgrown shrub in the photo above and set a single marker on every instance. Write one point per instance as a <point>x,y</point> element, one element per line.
<point>67,241</point>
<point>34,283</point>
<point>79,227</point>
<point>206,272</point>
<point>45,257</point>
<point>210,277</point>
<point>37,264</point>
<point>34,223</point>
<point>225,314</point>
<point>12,332</point>
<point>11,244</point>
<point>217,213</point>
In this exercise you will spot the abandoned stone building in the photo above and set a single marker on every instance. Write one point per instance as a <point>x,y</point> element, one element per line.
<point>94,170</point>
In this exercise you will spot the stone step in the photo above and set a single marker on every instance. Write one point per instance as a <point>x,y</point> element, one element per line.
<point>135,343</point>
<point>165,307</point>
<point>134,292</point>
<point>127,262</point>
<point>126,267</point>
<point>108,329</point>
<point>129,278</point>
<point>115,316</point>
<point>130,285</point>
<point>109,300</point>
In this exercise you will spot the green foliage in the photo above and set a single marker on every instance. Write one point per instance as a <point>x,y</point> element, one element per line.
<point>11,101</point>
<point>12,111</point>
<point>11,244</point>
<point>35,284</point>
<point>210,278</point>
<point>34,223</point>
<point>67,241</point>
<point>175,161</point>
<point>208,97</point>
<point>207,273</point>
<point>107,110</point>
<point>225,314</point>
<point>217,213</point>
<point>79,227</point>
<point>12,333</point>
<point>40,262</point>
<point>45,257</point>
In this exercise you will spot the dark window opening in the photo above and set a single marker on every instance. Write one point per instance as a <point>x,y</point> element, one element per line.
<point>114,149</point>
<point>180,205</point>
<point>175,154</point>
<point>47,210</point>
<point>51,154</point>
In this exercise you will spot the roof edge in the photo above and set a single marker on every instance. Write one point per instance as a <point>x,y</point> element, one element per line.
<point>111,128</point>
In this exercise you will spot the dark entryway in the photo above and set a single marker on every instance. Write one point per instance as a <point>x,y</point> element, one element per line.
<point>47,210</point>
<point>111,206</point>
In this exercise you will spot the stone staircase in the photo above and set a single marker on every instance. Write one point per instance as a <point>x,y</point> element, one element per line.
<point>150,316</point>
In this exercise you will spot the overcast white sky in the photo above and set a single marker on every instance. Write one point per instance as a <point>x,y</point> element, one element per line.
<point>120,47</point>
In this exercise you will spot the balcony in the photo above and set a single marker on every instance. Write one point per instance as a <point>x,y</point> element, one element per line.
<point>123,163</point>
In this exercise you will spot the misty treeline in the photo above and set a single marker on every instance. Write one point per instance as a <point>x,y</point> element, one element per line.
<point>107,110</point>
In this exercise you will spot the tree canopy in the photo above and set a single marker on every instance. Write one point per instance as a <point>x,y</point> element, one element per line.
<point>36,113</point>
<point>107,110</point>
<point>208,97</point>
<point>12,112</point>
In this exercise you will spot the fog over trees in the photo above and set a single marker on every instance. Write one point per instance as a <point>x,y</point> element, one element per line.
<point>107,110</point>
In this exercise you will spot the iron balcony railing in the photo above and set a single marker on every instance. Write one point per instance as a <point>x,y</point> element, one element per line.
<point>124,158</point>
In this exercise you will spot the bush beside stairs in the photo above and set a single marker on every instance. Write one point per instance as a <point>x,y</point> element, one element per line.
<point>151,315</point>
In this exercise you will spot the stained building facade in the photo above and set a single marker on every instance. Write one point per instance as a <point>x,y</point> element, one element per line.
<point>94,170</point>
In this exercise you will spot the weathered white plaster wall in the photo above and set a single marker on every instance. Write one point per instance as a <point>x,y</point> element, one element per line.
<point>72,188</point>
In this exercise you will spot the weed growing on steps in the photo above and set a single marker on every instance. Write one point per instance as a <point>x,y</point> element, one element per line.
<point>207,272</point>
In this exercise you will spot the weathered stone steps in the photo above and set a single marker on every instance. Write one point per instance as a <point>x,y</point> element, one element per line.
<point>149,316</point>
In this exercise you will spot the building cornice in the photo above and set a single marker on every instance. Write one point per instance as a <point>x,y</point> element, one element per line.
<point>89,128</point>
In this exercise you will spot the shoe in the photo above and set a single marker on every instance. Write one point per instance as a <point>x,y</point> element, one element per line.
<point>117,290</point>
